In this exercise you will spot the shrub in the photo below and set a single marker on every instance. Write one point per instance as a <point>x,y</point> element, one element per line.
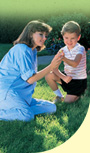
<point>11,28</point>
<point>55,42</point>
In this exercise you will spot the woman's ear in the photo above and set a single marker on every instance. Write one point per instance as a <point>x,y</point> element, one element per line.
<point>79,37</point>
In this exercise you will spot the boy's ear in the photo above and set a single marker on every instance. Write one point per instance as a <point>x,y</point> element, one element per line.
<point>79,37</point>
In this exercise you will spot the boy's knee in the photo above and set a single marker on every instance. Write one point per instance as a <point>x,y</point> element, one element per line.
<point>49,76</point>
<point>71,99</point>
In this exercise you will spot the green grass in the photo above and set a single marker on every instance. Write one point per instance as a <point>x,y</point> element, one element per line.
<point>45,132</point>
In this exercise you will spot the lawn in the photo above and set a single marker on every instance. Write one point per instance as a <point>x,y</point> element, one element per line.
<point>45,132</point>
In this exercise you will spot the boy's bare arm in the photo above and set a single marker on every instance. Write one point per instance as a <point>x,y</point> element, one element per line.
<point>73,63</point>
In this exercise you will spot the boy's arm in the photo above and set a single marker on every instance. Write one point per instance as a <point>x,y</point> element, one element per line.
<point>73,63</point>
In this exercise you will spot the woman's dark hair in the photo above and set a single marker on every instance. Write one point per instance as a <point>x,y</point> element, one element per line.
<point>32,27</point>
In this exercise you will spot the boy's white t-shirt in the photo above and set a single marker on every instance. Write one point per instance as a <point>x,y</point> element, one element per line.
<point>78,72</point>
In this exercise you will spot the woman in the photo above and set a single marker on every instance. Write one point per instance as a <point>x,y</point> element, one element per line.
<point>18,75</point>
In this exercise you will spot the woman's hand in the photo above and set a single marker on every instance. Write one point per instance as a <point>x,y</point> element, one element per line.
<point>55,62</point>
<point>53,65</point>
<point>58,57</point>
<point>60,53</point>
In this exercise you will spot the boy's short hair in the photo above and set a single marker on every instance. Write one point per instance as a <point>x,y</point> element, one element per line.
<point>71,27</point>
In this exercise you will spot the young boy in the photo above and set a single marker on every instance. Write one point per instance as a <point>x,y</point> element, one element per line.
<point>74,65</point>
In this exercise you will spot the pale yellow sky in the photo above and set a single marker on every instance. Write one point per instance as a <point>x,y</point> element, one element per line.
<point>42,7</point>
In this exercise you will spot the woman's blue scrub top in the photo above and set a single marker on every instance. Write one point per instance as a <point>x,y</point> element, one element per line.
<point>18,65</point>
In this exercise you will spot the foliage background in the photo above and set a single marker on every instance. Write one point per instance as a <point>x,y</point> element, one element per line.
<point>14,15</point>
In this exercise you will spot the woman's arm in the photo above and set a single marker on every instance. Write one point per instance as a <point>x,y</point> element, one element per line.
<point>39,75</point>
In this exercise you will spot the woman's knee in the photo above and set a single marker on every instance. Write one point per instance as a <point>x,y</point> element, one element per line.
<point>26,115</point>
<point>51,108</point>
<point>54,108</point>
<point>16,114</point>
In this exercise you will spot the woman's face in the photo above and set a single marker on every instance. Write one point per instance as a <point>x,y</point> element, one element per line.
<point>39,38</point>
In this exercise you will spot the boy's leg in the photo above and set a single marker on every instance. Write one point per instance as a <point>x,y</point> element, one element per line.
<point>71,98</point>
<point>62,76</point>
<point>51,79</point>
<point>74,89</point>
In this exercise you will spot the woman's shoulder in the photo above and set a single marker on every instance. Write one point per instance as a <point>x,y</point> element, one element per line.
<point>21,48</point>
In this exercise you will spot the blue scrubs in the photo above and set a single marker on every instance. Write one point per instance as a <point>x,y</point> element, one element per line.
<point>16,101</point>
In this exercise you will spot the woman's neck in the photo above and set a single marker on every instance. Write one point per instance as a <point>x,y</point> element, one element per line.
<point>33,48</point>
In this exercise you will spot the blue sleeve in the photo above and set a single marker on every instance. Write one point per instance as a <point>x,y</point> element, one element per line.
<point>26,63</point>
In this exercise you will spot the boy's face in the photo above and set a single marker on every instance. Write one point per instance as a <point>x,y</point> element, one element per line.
<point>70,39</point>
